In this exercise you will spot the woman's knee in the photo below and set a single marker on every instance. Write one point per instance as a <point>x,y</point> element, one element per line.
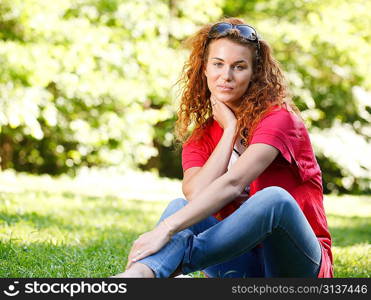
<point>278,193</point>
<point>274,195</point>
<point>172,207</point>
<point>177,203</point>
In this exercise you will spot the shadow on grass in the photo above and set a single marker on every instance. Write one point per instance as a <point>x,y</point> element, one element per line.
<point>38,220</point>
<point>42,221</point>
<point>102,220</point>
<point>349,230</point>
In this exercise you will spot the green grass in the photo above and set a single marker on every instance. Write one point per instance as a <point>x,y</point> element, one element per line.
<point>85,228</point>
<point>349,219</point>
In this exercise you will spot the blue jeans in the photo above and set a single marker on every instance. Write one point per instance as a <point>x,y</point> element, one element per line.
<point>267,236</point>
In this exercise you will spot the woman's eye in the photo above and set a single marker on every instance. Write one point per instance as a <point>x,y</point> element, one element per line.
<point>218,64</point>
<point>239,67</point>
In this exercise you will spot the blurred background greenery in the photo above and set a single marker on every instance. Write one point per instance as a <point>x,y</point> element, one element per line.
<point>91,83</point>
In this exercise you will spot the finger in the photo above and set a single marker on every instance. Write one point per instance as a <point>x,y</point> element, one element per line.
<point>142,255</point>
<point>132,251</point>
<point>213,98</point>
<point>214,108</point>
<point>129,262</point>
<point>128,265</point>
<point>130,257</point>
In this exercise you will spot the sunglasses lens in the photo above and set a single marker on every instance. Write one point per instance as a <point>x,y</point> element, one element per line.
<point>247,32</point>
<point>220,28</point>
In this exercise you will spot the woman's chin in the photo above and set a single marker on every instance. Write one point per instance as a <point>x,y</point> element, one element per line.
<point>227,100</point>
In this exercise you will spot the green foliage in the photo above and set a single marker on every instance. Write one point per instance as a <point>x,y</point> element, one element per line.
<point>91,82</point>
<point>85,82</point>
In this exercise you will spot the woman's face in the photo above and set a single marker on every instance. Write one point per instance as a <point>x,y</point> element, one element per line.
<point>228,70</point>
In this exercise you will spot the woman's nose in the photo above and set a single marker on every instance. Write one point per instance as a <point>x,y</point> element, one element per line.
<point>227,73</point>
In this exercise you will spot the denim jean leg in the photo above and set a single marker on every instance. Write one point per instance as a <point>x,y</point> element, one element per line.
<point>292,250</point>
<point>164,262</point>
<point>268,212</point>
<point>173,251</point>
<point>247,265</point>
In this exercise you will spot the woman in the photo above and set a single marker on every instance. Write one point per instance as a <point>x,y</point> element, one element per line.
<point>254,201</point>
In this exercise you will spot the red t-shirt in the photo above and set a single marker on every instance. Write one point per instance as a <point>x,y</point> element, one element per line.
<point>295,169</point>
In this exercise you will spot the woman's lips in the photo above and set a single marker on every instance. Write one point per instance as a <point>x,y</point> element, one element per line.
<point>224,88</point>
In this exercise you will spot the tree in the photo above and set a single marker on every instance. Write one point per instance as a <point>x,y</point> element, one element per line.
<point>91,82</point>
<point>85,82</point>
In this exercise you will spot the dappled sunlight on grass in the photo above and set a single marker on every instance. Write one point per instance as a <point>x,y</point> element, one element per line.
<point>349,230</point>
<point>95,183</point>
<point>352,261</point>
<point>73,219</point>
<point>348,205</point>
<point>349,219</point>
<point>49,231</point>
<point>63,234</point>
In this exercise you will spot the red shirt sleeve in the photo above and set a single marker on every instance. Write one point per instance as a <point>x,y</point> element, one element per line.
<point>197,151</point>
<point>286,132</point>
<point>275,130</point>
<point>194,154</point>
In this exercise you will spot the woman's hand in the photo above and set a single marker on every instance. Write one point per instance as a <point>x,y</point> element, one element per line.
<point>222,113</point>
<point>149,243</point>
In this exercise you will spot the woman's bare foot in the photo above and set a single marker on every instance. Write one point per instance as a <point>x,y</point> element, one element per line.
<point>137,270</point>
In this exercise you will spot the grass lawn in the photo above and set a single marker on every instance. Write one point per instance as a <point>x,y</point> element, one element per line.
<point>85,227</point>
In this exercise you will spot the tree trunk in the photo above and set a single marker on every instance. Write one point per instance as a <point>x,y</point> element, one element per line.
<point>6,151</point>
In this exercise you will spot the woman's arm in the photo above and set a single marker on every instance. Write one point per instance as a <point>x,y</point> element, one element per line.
<point>197,179</point>
<point>212,198</point>
<point>249,166</point>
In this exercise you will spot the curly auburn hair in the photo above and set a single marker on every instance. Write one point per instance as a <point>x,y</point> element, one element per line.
<point>266,89</point>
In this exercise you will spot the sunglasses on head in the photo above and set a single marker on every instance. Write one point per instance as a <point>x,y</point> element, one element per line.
<point>246,31</point>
